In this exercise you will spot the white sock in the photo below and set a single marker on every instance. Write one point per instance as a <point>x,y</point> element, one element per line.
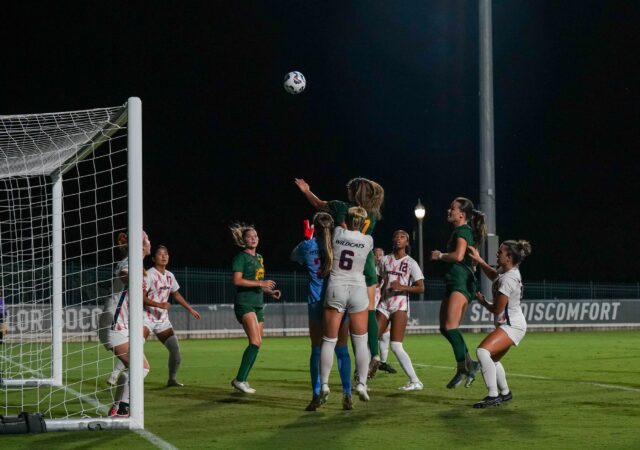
<point>384,346</point>
<point>501,377</point>
<point>119,367</point>
<point>362,356</point>
<point>174,356</point>
<point>405,361</point>
<point>326,358</point>
<point>122,391</point>
<point>488,371</point>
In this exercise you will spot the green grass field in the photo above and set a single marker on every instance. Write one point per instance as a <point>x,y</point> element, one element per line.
<point>571,390</point>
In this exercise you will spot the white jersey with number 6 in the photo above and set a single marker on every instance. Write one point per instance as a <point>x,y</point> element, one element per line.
<point>350,251</point>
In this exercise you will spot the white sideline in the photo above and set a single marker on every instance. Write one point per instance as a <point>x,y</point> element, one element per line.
<point>148,435</point>
<point>539,377</point>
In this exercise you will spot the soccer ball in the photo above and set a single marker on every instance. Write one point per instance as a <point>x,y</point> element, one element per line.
<point>294,82</point>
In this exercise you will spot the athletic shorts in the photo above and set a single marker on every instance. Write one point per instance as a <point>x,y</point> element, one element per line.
<point>396,303</point>
<point>348,298</point>
<point>460,279</point>
<point>515,334</point>
<point>117,338</point>
<point>157,326</point>
<point>370,273</point>
<point>241,310</point>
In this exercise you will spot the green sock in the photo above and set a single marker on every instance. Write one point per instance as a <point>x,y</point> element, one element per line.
<point>457,342</point>
<point>248,358</point>
<point>372,329</point>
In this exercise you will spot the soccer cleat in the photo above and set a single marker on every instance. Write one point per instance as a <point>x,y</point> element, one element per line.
<point>373,368</point>
<point>242,386</point>
<point>174,383</point>
<point>471,374</point>
<point>386,367</point>
<point>119,410</point>
<point>324,393</point>
<point>361,389</point>
<point>314,404</point>
<point>488,402</point>
<point>506,397</point>
<point>412,386</point>
<point>456,380</point>
<point>347,403</point>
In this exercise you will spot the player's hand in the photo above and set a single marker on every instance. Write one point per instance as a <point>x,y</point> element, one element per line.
<point>396,286</point>
<point>436,255</point>
<point>268,284</point>
<point>302,185</point>
<point>276,294</point>
<point>481,298</point>
<point>163,305</point>
<point>308,230</point>
<point>473,253</point>
<point>195,314</point>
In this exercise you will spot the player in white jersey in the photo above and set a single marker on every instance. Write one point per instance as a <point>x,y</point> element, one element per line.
<point>118,335</point>
<point>385,335</point>
<point>402,276</point>
<point>162,285</point>
<point>510,322</point>
<point>347,292</point>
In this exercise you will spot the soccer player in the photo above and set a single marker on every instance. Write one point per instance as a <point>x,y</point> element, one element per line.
<point>307,253</point>
<point>469,231</point>
<point>510,322</point>
<point>402,276</point>
<point>346,292</point>
<point>118,333</point>
<point>162,285</point>
<point>385,335</point>
<point>369,195</point>
<point>248,277</point>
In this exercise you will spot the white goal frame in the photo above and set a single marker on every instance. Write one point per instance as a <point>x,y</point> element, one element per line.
<point>132,117</point>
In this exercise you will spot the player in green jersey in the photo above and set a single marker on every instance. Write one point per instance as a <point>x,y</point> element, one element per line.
<point>248,277</point>
<point>470,230</point>
<point>369,195</point>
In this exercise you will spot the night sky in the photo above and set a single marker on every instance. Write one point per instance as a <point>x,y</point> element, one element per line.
<point>392,94</point>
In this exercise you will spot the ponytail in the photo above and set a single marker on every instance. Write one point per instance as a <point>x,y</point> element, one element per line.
<point>475,218</point>
<point>323,225</point>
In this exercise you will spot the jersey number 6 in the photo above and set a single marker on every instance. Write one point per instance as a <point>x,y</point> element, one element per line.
<point>346,263</point>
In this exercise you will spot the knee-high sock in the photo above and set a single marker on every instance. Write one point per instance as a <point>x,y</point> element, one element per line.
<point>362,356</point>
<point>314,370</point>
<point>488,371</point>
<point>326,358</point>
<point>501,378</point>
<point>344,367</point>
<point>122,392</point>
<point>174,356</point>
<point>405,361</point>
<point>248,358</point>
<point>372,331</point>
<point>458,345</point>
<point>384,346</point>
<point>119,367</point>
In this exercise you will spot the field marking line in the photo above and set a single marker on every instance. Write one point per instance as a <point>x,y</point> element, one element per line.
<point>148,435</point>
<point>539,377</point>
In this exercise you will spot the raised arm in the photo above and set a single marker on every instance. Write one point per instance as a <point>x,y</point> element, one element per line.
<point>311,197</point>
<point>489,271</point>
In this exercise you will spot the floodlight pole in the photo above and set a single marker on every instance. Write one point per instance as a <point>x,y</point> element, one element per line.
<point>420,212</point>
<point>487,166</point>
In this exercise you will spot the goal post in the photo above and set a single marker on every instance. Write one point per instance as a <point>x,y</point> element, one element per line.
<point>69,182</point>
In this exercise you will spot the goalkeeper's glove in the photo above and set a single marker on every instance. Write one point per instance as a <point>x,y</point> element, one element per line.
<point>308,230</point>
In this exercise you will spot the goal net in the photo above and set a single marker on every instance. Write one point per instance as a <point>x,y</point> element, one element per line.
<point>68,184</point>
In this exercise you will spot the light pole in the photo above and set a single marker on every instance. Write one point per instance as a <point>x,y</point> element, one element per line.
<point>420,212</point>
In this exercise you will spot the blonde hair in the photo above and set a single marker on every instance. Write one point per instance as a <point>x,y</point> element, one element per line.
<point>356,216</point>
<point>367,194</point>
<point>324,225</point>
<point>238,230</point>
<point>518,250</point>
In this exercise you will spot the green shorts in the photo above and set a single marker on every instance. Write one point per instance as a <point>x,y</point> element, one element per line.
<point>460,279</point>
<point>370,274</point>
<point>241,310</point>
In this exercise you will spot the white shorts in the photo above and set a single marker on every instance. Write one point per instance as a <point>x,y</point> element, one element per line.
<point>157,326</point>
<point>515,334</point>
<point>352,299</point>
<point>117,338</point>
<point>390,305</point>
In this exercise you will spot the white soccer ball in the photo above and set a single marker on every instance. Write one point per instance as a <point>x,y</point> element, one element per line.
<point>294,82</point>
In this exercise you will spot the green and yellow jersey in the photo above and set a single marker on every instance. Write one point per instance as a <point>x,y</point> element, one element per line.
<point>252,268</point>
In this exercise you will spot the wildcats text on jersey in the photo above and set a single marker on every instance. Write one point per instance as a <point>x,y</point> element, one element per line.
<point>349,244</point>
